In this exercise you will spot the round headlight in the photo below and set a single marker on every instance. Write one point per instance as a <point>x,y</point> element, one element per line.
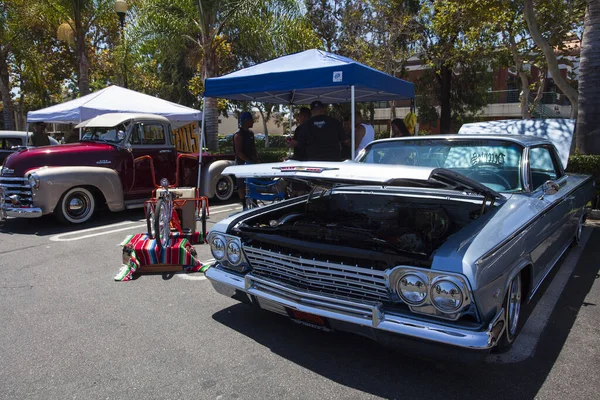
<point>217,247</point>
<point>446,296</point>
<point>234,253</point>
<point>412,288</point>
<point>164,182</point>
<point>34,181</point>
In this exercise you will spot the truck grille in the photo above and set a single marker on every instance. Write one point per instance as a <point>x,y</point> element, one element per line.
<point>18,186</point>
<point>339,280</point>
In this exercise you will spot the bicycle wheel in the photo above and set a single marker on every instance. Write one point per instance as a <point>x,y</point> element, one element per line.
<point>150,220</point>
<point>162,224</point>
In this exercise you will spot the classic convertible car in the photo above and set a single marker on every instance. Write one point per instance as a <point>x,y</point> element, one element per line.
<point>435,238</point>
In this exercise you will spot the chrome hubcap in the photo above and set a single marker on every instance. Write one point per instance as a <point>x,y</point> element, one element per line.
<point>75,205</point>
<point>164,226</point>
<point>514,304</point>
<point>78,205</point>
<point>223,187</point>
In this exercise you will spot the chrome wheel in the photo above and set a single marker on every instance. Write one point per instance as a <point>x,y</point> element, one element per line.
<point>514,306</point>
<point>76,206</point>
<point>162,223</point>
<point>224,188</point>
<point>150,221</point>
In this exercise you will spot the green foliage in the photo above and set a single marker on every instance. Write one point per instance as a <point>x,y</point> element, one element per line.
<point>585,164</point>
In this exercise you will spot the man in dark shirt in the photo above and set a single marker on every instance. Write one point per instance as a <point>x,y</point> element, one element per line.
<point>324,135</point>
<point>298,141</point>
<point>39,137</point>
<point>244,148</point>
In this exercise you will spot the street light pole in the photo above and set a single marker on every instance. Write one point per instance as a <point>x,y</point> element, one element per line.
<point>121,10</point>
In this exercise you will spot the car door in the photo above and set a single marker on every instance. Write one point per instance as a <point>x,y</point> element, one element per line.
<point>154,157</point>
<point>555,223</point>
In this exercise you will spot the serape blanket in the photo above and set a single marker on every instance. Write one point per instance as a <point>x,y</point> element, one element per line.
<point>139,250</point>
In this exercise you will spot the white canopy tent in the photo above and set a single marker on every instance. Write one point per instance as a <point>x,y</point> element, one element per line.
<point>114,99</point>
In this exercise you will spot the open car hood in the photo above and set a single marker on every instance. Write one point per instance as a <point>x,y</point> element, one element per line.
<point>331,174</point>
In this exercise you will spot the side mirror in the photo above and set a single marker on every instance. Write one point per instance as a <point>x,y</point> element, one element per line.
<point>128,147</point>
<point>550,188</point>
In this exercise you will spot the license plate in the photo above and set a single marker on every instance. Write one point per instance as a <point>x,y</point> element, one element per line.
<point>311,320</point>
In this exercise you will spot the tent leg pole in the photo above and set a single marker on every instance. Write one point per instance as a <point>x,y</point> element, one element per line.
<point>201,145</point>
<point>352,117</point>
<point>291,117</point>
<point>27,131</point>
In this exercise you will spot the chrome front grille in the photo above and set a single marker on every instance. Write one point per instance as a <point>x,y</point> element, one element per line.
<point>339,280</point>
<point>18,186</point>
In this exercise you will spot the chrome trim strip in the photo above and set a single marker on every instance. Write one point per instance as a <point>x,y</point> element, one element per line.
<point>357,313</point>
<point>5,178</point>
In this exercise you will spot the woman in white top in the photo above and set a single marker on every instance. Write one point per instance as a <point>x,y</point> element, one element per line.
<point>365,133</point>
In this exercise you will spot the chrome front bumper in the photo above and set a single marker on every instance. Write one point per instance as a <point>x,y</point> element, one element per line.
<point>26,212</point>
<point>277,298</point>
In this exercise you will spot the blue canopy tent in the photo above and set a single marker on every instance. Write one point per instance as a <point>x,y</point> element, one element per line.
<point>307,76</point>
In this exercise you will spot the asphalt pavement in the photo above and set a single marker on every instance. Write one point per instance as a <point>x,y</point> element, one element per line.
<point>68,330</point>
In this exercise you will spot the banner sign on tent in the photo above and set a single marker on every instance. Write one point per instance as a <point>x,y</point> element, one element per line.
<point>186,138</point>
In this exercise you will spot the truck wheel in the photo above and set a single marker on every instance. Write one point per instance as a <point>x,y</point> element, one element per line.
<point>162,224</point>
<point>224,188</point>
<point>76,206</point>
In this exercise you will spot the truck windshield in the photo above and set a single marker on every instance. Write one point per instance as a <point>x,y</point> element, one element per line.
<point>114,134</point>
<point>493,163</point>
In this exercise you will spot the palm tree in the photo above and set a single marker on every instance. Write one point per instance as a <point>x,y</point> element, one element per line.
<point>588,124</point>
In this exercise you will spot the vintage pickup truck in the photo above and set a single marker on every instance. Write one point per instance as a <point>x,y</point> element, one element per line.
<point>117,162</point>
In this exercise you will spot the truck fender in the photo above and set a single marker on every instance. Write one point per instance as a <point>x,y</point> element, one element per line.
<point>211,174</point>
<point>54,181</point>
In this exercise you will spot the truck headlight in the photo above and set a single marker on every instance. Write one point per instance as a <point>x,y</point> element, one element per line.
<point>412,288</point>
<point>34,180</point>
<point>446,294</point>
<point>217,246</point>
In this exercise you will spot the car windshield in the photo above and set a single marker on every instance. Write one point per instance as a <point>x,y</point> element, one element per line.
<point>114,134</point>
<point>493,163</point>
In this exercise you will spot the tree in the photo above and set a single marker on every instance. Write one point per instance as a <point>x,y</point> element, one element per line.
<point>554,10</point>
<point>458,53</point>
<point>5,49</point>
<point>215,27</point>
<point>588,120</point>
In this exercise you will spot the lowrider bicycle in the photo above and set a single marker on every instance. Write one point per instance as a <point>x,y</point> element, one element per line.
<point>439,238</point>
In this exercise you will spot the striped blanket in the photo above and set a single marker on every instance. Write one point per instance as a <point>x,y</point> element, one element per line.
<point>139,251</point>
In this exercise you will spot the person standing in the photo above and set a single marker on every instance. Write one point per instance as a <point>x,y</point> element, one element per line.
<point>298,141</point>
<point>324,135</point>
<point>39,137</point>
<point>399,128</point>
<point>244,148</point>
<point>364,133</point>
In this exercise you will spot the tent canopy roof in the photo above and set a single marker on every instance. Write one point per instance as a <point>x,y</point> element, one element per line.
<point>110,100</point>
<point>113,119</point>
<point>307,76</point>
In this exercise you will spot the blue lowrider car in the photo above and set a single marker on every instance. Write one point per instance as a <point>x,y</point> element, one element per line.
<point>441,239</point>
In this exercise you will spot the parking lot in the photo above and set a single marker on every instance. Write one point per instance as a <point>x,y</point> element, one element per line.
<point>69,330</point>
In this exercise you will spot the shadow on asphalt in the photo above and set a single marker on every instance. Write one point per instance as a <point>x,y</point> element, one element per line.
<point>48,225</point>
<point>364,365</point>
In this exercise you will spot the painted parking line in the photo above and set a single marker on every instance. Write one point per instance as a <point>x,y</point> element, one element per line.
<point>106,229</point>
<point>526,343</point>
<point>62,238</point>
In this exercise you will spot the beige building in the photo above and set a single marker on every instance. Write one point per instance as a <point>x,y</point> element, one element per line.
<point>230,125</point>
